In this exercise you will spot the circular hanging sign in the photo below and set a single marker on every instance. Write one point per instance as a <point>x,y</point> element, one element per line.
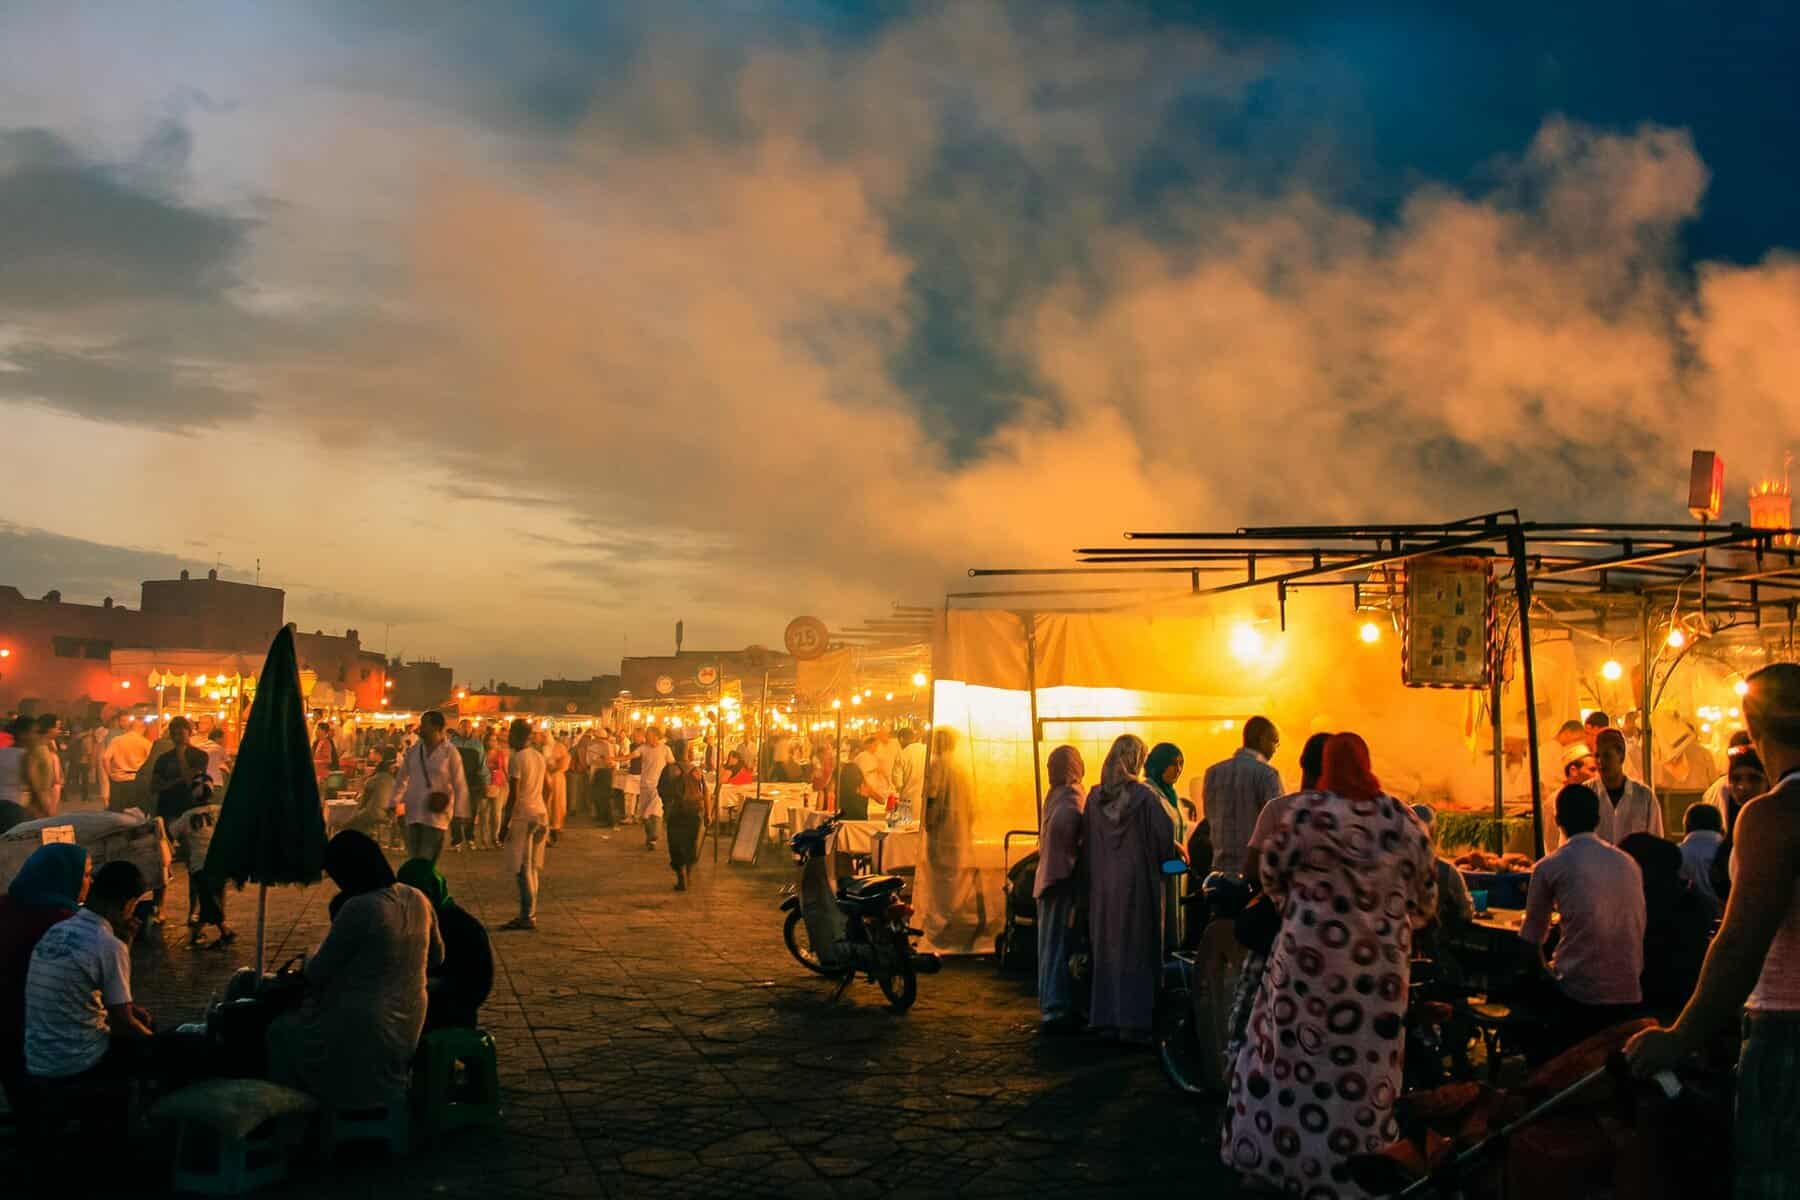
<point>664,685</point>
<point>706,676</point>
<point>807,637</point>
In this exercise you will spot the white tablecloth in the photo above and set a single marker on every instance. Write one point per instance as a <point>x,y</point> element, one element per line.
<point>786,800</point>
<point>853,837</point>
<point>900,850</point>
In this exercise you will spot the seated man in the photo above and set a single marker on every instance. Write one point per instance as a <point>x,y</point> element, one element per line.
<point>1455,910</point>
<point>1599,893</point>
<point>1705,829</point>
<point>80,1022</point>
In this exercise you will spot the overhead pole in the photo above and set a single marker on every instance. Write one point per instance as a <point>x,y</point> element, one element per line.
<point>1515,545</point>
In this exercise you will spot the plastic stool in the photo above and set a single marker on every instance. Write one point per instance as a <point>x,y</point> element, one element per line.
<point>457,1081</point>
<point>388,1123</point>
<point>216,1164</point>
<point>233,1135</point>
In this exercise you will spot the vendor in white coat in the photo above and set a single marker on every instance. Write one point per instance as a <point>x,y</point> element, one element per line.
<point>1626,806</point>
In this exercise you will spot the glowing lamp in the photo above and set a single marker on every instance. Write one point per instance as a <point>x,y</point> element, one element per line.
<point>918,679</point>
<point>856,699</point>
<point>1370,632</point>
<point>388,684</point>
<point>890,695</point>
<point>462,695</point>
<point>1676,639</point>
<point>1706,729</point>
<point>5,653</point>
<point>1246,644</point>
<point>125,685</point>
<point>837,704</point>
<point>1611,671</point>
<point>1741,688</point>
<point>200,681</point>
<point>637,716</point>
<point>384,701</point>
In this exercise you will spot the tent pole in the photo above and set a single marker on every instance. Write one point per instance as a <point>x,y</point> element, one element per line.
<point>1037,761</point>
<point>262,926</point>
<point>1515,544</point>
<point>1645,725</point>
<point>1499,762</point>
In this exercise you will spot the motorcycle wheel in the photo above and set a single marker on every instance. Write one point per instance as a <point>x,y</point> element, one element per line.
<point>901,984</point>
<point>1177,1043</point>
<point>799,943</point>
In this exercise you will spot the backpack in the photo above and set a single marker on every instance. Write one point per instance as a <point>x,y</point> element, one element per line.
<point>683,792</point>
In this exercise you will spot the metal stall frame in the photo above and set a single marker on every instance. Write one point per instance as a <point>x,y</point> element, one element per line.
<point>1571,574</point>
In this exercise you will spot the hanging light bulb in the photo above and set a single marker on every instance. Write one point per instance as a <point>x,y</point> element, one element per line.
<point>1370,632</point>
<point>918,679</point>
<point>1246,643</point>
<point>1676,639</point>
<point>1741,688</point>
<point>1611,671</point>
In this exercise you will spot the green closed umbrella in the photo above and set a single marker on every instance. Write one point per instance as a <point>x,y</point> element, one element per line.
<point>271,827</point>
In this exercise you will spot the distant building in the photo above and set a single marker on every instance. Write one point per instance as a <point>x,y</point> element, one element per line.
<point>419,685</point>
<point>78,659</point>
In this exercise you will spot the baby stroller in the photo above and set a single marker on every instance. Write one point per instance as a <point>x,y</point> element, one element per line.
<point>1015,948</point>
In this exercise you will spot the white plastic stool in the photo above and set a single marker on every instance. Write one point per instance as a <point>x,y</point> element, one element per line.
<point>389,1123</point>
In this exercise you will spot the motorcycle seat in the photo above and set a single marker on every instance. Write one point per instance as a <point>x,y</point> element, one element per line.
<point>872,887</point>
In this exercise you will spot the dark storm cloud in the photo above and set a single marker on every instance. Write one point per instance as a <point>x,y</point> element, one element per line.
<point>74,234</point>
<point>36,561</point>
<point>121,388</point>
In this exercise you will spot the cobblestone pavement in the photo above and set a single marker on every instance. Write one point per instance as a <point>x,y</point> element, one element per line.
<point>663,1044</point>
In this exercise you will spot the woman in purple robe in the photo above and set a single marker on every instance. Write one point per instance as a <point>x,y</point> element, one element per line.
<point>1128,835</point>
<point>1058,889</point>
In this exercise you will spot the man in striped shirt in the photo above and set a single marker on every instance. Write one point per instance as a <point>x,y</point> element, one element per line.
<point>1233,792</point>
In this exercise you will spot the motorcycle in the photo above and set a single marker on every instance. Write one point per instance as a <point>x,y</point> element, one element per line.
<point>1194,990</point>
<point>858,928</point>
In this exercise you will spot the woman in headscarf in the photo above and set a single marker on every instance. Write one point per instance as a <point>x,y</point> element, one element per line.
<point>49,887</point>
<point>683,792</point>
<point>459,985</point>
<point>1315,1081</point>
<point>1057,889</point>
<point>1128,836</point>
<point>1162,769</point>
<point>352,1042</point>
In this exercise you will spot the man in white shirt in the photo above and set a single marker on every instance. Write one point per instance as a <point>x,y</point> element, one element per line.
<point>1233,793</point>
<point>1705,833</point>
<point>1626,806</point>
<point>525,825</point>
<point>125,755</point>
<point>653,758</point>
<point>1599,892</point>
<point>78,1002</point>
<point>909,775</point>
<point>211,743</point>
<point>432,788</point>
<point>876,783</point>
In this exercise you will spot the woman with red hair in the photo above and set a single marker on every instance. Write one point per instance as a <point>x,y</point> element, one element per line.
<point>1315,1080</point>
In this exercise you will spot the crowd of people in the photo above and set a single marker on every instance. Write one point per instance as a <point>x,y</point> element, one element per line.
<point>1620,923</point>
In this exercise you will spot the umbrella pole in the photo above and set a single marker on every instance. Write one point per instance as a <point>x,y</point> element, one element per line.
<point>262,924</point>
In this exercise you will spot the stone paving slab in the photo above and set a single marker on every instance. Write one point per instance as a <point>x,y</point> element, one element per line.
<point>659,1044</point>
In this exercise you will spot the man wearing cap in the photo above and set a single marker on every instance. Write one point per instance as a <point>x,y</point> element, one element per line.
<point>1626,806</point>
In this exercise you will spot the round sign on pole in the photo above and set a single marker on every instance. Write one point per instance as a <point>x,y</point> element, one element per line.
<point>664,685</point>
<point>706,676</point>
<point>807,637</point>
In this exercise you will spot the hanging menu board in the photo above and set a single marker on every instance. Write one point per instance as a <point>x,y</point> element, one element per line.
<point>1449,622</point>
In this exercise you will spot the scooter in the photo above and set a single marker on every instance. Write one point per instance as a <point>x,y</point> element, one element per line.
<point>859,928</point>
<point>1195,986</point>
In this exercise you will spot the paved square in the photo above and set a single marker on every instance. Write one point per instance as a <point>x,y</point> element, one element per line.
<point>655,1043</point>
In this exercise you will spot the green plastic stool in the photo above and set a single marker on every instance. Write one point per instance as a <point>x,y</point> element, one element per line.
<point>456,1081</point>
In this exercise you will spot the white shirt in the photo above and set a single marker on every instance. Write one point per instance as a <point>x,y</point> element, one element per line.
<point>1232,796</point>
<point>79,969</point>
<point>215,759</point>
<point>12,774</point>
<point>528,771</point>
<point>652,759</point>
<point>423,772</point>
<point>1636,812</point>
<point>875,777</point>
<point>909,775</point>
<point>126,755</point>
<point>1698,849</point>
<point>1599,891</point>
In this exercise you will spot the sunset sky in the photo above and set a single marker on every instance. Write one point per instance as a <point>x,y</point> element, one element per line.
<point>511,333</point>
